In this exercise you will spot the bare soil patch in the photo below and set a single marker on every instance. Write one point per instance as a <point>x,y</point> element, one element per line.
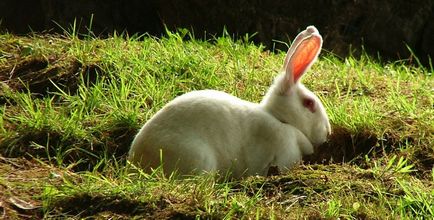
<point>345,146</point>
<point>22,182</point>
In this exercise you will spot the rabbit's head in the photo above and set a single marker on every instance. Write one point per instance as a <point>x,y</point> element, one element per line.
<point>289,100</point>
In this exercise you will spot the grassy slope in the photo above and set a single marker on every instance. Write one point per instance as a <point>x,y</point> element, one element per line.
<point>70,144</point>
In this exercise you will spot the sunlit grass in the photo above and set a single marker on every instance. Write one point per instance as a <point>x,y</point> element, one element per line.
<point>89,130</point>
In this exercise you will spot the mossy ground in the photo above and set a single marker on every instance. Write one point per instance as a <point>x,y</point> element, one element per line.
<point>70,108</point>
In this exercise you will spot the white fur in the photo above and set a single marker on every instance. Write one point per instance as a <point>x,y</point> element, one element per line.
<point>213,131</point>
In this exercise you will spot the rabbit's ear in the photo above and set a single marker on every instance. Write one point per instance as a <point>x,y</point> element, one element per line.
<point>309,31</point>
<point>303,56</point>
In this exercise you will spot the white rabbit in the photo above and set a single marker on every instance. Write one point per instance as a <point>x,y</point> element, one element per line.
<point>213,131</point>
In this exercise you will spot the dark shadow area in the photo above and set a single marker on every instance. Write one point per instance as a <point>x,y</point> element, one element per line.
<point>84,154</point>
<point>88,205</point>
<point>383,27</point>
<point>85,205</point>
<point>345,146</point>
<point>40,77</point>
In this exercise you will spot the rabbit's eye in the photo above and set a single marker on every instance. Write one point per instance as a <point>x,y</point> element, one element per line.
<point>309,104</point>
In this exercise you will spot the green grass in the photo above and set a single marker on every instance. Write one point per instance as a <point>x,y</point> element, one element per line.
<point>70,142</point>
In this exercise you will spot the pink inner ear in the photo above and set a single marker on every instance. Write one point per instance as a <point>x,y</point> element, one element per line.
<point>303,56</point>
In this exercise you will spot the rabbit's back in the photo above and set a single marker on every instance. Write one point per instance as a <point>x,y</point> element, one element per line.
<point>201,129</point>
